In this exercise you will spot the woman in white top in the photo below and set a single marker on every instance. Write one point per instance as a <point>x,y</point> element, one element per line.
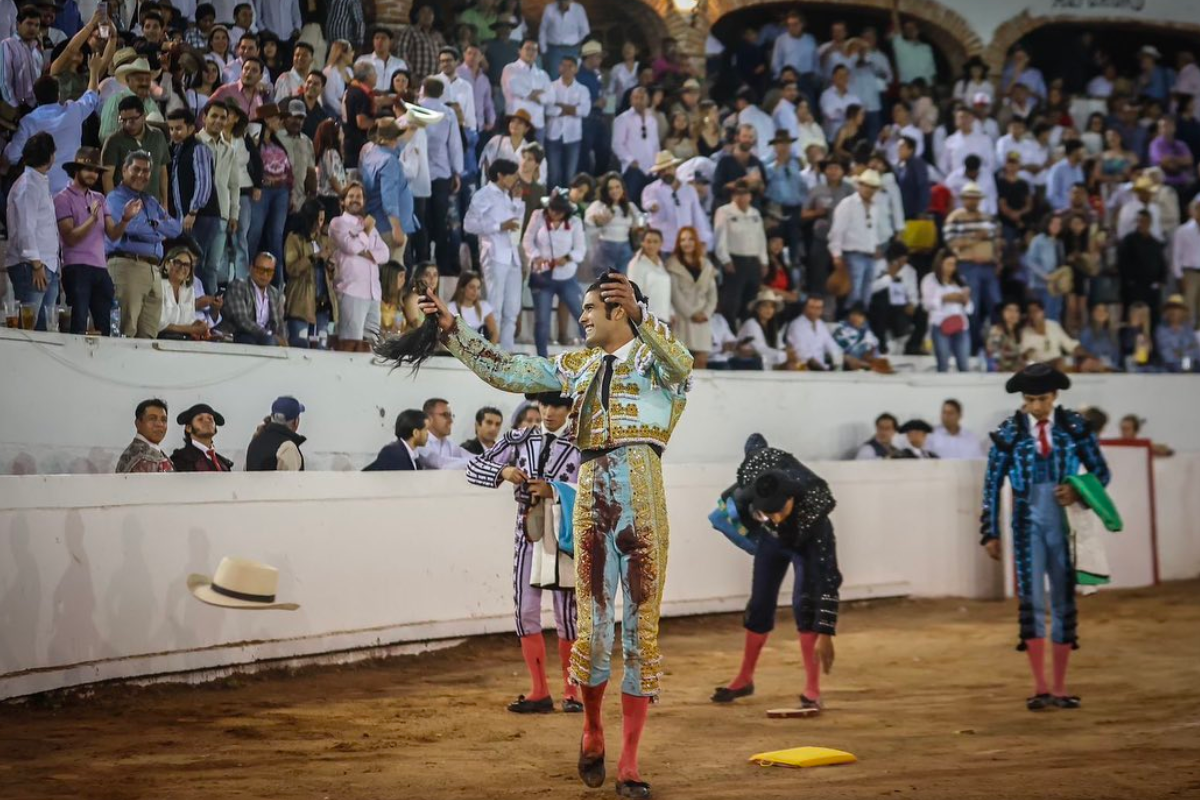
<point>236,129</point>
<point>510,146</point>
<point>614,216</point>
<point>948,301</point>
<point>203,84</point>
<point>760,331</point>
<point>974,81</point>
<point>475,312</point>
<point>178,317</point>
<point>809,131</point>
<point>338,75</point>
<point>331,172</point>
<point>554,245</point>
<point>623,76</point>
<point>220,48</point>
<point>649,271</point>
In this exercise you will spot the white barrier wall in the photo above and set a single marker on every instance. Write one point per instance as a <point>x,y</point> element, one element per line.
<point>68,402</point>
<point>93,569</point>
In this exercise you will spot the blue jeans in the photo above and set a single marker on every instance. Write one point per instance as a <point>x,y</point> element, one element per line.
<point>267,220</point>
<point>297,333</point>
<point>984,284</point>
<point>862,272</point>
<point>635,181</point>
<point>554,56</point>
<point>209,233</point>
<point>241,243</point>
<point>958,345</point>
<point>1052,304</point>
<point>91,289</point>
<point>562,162</point>
<point>545,289</point>
<point>1049,556</point>
<point>21,277</point>
<point>613,256</point>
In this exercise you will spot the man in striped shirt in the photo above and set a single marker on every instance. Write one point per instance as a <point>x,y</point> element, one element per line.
<point>22,59</point>
<point>971,233</point>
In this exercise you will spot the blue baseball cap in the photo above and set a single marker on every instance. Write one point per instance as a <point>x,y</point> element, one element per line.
<point>288,406</point>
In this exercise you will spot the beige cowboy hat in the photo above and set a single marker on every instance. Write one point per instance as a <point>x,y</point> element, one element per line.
<point>592,48</point>
<point>239,583</point>
<point>766,295</point>
<point>1061,282</point>
<point>1175,301</point>
<point>421,116</point>
<point>137,65</point>
<point>1144,183</point>
<point>126,55</point>
<point>971,189</point>
<point>869,177</point>
<point>664,160</point>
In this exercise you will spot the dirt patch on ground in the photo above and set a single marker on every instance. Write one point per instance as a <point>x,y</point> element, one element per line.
<point>928,694</point>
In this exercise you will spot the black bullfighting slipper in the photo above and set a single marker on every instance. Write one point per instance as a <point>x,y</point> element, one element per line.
<point>591,768</point>
<point>1067,702</point>
<point>572,706</point>
<point>633,789</point>
<point>1039,702</point>
<point>807,704</point>
<point>523,706</point>
<point>724,694</point>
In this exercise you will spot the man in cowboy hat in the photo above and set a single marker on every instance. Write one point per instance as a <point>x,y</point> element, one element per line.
<point>198,454</point>
<point>83,223</point>
<point>1144,192</point>
<point>854,237</point>
<point>144,454</point>
<point>594,153</point>
<point>741,251</point>
<point>138,82</point>
<point>1175,340</point>
<point>135,135</point>
<point>786,191</point>
<point>973,236</point>
<point>672,205</point>
<point>1036,450</point>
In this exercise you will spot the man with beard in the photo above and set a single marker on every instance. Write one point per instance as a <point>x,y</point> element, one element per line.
<point>143,453</point>
<point>301,154</point>
<point>135,257</point>
<point>288,84</point>
<point>193,176</point>
<point>672,205</point>
<point>83,222</point>
<point>358,252</point>
<point>213,269</point>
<point>311,93</point>
<point>200,423</point>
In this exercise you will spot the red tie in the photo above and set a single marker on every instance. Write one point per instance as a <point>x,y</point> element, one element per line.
<point>1043,439</point>
<point>212,456</point>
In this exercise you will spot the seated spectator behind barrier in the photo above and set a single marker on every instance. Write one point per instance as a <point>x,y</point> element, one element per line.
<point>1099,337</point>
<point>488,422</point>
<point>1045,340</point>
<point>469,304</point>
<point>178,273</point>
<point>916,432</point>
<point>1137,340</point>
<point>759,334</point>
<point>860,348</point>
<point>276,445</point>
<point>1178,350</point>
<point>809,340</point>
<point>412,432</point>
<point>439,452</point>
<point>1131,430</point>
<point>254,307</point>
<point>727,352</point>
<point>1004,340</point>
<point>143,453</point>
<point>880,445</point>
<point>950,439</point>
<point>198,454</point>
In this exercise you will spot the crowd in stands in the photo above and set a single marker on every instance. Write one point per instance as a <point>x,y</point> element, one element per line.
<point>226,172</point>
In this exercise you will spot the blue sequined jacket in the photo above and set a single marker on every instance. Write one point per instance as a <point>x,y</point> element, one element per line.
<point>646,398</point>
<point>1014,451</point>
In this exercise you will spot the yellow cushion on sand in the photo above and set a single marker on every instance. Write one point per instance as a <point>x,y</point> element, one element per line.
<point>803,757</point>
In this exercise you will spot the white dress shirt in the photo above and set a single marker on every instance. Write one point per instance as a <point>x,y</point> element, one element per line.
<point>853,227</point>
<point>655,282</point>
<point>565,239</point>
<point>892,147</point>
<point>901,292</point>
<point>752,334</point>
<point>288,84</point>
<point>958,146</point>
<point>383,71</point>
<point>460,91</point>
<point>621,79</point>
<point>764,129</point>
<point>1185,250</point>
<point>181,311</point>
<point>500,147</point>
<point>933,294</point>
<point>490,208</point>
<point>812,341</point>
<point>963,445</point>
<point>518,81</point>
<point>281,17</point>
<point>1053,343</point>
<point>563,28</point>
<point>669,210</point>
<point>32,222</point>
<point>565,127</point>
<point>635,140</point>
<point>1127,219</point>
<point>442,454</point>
<point>414,158</point>
<point>833,109</point>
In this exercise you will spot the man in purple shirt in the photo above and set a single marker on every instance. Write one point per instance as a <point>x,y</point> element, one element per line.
<point>1171,155</point>
<point>83,221</point>
<point>471,70</point>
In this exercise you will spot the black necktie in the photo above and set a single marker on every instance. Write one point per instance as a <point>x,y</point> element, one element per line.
<point>606,383</point>
<point>544,456</point>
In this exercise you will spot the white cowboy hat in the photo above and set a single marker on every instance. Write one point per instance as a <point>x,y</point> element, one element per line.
<point>870,177</point>
<point>592,48</point>
<point>664,160</point>
<point>971,189</point>
<point>137,65</point>
<point>419,115</point>
<point>239,583</point>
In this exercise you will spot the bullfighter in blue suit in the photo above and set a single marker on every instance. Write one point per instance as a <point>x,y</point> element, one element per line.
<point>1036,450</point>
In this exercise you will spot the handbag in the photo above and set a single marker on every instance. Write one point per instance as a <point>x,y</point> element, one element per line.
<point>954,325</point>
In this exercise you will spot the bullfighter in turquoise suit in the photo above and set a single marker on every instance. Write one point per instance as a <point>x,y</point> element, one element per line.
<point>628,389</point>
<point>1036,450</point>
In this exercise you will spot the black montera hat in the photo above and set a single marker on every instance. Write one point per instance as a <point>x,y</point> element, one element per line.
<point>1038,378</point>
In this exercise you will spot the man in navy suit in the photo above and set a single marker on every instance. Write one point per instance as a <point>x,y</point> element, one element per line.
<point>912,174</point>
<point>412,431</point>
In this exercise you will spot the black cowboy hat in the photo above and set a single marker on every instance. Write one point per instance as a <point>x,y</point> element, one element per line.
<point>916,425</point>
<point>85,158</point>
<point>1037,379</point>
<point>185,417</point>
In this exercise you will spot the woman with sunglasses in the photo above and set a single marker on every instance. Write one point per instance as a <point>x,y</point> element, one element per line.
<point>784,508</point>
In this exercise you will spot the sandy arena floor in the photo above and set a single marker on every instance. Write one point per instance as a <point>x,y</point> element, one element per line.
<point>928,694</point>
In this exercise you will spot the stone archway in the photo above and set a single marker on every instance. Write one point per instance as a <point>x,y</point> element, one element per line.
<point>1020,26</point>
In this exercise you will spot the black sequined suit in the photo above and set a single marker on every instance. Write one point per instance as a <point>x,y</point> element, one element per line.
<point>804,540</point>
